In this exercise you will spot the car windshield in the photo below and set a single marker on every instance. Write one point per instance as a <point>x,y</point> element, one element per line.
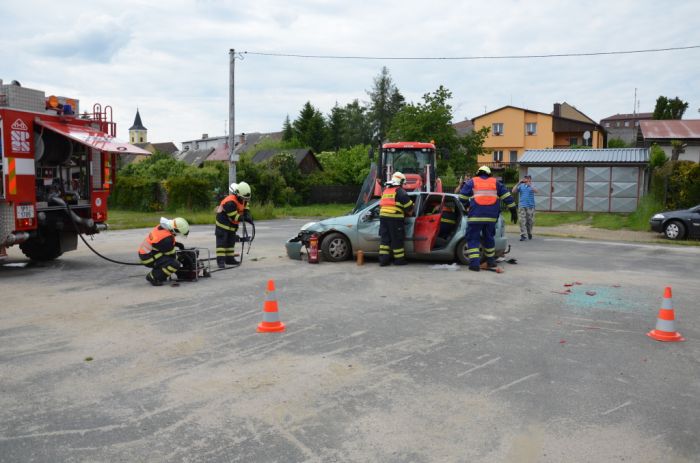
<point>409,161</point>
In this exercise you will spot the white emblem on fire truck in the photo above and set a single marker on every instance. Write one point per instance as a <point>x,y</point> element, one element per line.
<point>19,135</point>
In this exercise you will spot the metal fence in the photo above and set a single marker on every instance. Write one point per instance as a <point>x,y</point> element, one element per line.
<point>334,193</point>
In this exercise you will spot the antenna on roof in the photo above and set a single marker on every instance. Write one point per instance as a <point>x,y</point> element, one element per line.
<point>634,106</point>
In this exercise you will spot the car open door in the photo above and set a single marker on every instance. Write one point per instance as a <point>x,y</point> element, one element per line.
<point>427,223</point>
<point>367,193</point>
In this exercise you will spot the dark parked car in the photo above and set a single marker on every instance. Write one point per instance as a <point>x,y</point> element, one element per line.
<point>677,225</point>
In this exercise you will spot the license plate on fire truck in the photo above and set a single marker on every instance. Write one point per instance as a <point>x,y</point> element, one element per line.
<point>25,211</point>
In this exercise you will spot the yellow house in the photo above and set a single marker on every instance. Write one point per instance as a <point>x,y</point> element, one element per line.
<point>514,130</point>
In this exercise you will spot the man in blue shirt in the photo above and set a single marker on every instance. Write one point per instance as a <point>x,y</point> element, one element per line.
<point>526,206</point>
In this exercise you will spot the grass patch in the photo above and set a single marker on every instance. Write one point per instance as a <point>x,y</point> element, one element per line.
<point>123,220</point>
<point>552,219</point>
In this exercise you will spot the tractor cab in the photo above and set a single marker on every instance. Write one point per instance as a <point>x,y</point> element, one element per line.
<point>415,160</point>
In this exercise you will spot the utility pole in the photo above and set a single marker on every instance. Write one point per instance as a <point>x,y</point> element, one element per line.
<point>232,157</point>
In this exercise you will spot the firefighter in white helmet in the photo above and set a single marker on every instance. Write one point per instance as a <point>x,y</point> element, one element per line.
<point>483,195</point>
<point>394,206</point>
<point>157,251</point>
<point>232,209</point>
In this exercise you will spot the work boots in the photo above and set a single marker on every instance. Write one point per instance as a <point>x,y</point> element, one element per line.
<point>153,281</point>
<point>231,260</point>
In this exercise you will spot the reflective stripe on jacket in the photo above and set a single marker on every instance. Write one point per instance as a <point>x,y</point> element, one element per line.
<point>230,213</point>
<point>150,249</point>
<point>485,191</point>
<point>394,203</point>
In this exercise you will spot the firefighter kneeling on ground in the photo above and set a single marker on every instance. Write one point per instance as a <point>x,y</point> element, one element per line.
<point>232,209</point>
<point>158,249</point>
<point>483,194</point>
<point>393,207</point>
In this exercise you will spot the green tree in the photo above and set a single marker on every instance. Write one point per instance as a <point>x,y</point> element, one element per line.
<point>287,130</point>
<point>677,148</point>
<point>310,127</point>
<point>356,127</point>
<point>617,143</point>
<point>385,102</point>
<point>336,126</point>
<point>348,166</point>
<point>669,108</point>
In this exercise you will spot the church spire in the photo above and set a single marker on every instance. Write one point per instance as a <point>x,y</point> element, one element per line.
<point>138,125</point>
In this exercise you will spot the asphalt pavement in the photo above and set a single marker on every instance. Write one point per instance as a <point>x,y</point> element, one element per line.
<point>422,363</point>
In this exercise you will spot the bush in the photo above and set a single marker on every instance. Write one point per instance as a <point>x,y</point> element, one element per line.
<point>137,194</point>
<point>678,182</point>
<point>188,192</point>
<point>657,156</point>
<point>510,175</point>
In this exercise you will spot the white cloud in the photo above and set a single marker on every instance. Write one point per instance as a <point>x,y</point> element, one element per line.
<point>170,59</point>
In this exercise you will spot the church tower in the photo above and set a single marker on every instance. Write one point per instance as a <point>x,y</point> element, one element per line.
<point>138,133</point>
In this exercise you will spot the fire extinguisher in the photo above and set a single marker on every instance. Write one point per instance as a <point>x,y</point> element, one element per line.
<point>313,249</point>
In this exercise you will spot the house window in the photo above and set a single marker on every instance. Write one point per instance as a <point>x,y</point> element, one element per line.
<point>607,124</point>
<point>531,128</point>
<point>627,123</point>
<point>636,123</point>
<point>498,156</point>
<point>573,141</point>
<point>617,124</point>
<point>513,156</point>
<point>140,139</point>
<point>497,128</point>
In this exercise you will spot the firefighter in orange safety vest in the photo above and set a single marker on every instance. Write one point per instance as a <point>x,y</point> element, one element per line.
<point>232,209</point>
<point>483,194</point>
<point>158,252</point>
<point>393,207</point>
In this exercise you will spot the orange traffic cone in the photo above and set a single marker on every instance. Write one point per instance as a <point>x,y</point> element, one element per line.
<point>271,320</point>
<point>665,322</point>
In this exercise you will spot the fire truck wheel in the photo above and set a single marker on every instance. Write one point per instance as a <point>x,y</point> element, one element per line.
<point>336,247</point>
<point>46,246</point>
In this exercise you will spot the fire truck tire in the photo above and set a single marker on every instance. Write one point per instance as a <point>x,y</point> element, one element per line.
<point>46,246</point>
<point>336,247</point>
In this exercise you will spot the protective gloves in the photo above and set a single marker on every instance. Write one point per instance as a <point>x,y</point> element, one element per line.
<point>513,215</point>
<point>247,217</point>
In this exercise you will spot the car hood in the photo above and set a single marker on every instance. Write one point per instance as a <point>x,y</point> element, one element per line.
<point>328,224</point>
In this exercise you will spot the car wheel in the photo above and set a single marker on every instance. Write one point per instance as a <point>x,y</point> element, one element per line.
<point>674,230</point>
<point>336,247</point>
<point>461,252</point>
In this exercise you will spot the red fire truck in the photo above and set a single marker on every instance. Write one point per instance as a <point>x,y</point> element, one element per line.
<point>58,167</point>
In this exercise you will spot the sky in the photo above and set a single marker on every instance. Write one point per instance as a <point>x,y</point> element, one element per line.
<point>170,59</point>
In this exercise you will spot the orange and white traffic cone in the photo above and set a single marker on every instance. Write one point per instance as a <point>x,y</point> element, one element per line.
<point>271,321</point>
<point>665,322</point>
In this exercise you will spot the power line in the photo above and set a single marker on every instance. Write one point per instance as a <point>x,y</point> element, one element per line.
<point>463,58</point>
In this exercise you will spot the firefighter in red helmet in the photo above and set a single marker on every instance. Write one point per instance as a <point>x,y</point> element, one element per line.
<point>232,209</point>
<point>157,251</point>
<point>394,206</point>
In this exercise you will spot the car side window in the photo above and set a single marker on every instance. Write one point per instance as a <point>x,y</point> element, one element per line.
<point>432,205</point>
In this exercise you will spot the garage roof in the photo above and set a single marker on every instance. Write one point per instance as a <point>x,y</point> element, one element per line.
<point>677,129</point>
<point>586,156</point>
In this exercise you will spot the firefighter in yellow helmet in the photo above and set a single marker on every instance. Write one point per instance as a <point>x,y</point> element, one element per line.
<point>157,251</point>
<point>484,194</point>
<point>394,206</point>
<point>232,209</point>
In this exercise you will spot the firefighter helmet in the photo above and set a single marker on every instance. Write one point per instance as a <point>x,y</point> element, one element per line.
<point>244,191</point>
<point>484,169</point>
<point>179,226</point>
<point>233,188</point>
<point>398,179</point>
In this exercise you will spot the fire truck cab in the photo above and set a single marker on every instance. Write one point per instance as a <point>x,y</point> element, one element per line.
<point>58,167</point>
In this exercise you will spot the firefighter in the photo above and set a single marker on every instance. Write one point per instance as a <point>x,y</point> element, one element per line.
<point>483,194</point>
<point>393,207</point>
<point>158,249</point>
<point>232,209</point>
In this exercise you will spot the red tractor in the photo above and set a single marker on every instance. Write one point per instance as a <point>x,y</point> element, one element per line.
<point>416,160</point>
<point>58,168</point>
